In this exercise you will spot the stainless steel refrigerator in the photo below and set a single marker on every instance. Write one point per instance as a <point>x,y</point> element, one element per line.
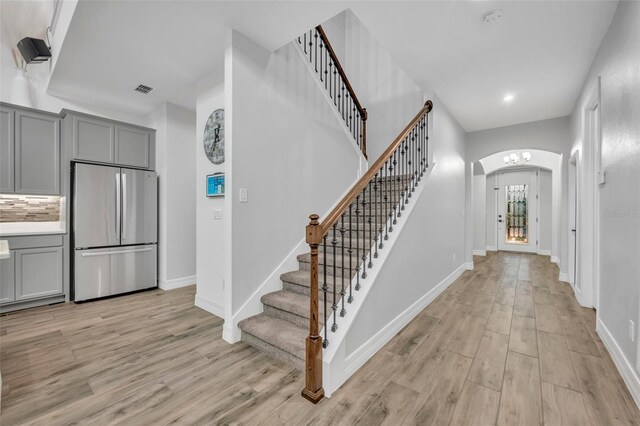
<point>114,230</point>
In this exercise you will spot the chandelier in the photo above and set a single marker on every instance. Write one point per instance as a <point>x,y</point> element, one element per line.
<point>517,158</point>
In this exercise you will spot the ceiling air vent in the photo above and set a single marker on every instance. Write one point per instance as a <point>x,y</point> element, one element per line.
<point>143,89</point>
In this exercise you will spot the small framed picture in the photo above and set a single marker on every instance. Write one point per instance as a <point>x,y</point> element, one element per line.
<point>215,185</point>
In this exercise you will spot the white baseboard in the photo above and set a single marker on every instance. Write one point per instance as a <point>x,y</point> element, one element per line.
<point>555,259</point>
<point>544,253</point>
<point>628,373</point>
<point>361,355</point>
<point>479,252</point>
<point>177,283</point>
<point>492,248</point>
<point>209,306</point>
<point>562,276</point>
<point>468,266</point>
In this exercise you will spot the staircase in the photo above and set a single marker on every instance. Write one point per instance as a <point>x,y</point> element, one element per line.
<point>282,328</point>
<point>299,321</point>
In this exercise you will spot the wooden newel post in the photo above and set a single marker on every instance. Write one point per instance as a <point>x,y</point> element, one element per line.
<point>313,390</point>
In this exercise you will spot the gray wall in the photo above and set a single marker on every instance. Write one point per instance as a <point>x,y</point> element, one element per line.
<point>618,65</point>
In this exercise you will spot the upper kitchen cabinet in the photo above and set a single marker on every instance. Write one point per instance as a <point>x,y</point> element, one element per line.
<point>37,153</point>
<point>93,139</point>
<point>100,140</point>
<point>133,146</point>
<point>7,138</point>
<point>29,151</point>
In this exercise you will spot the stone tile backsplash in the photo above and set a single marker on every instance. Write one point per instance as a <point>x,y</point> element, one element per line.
<point>29,208</point>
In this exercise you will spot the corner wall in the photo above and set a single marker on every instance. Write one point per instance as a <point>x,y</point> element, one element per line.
<point>210,235</point>
<point>175,161</point>
<point>617,66</point>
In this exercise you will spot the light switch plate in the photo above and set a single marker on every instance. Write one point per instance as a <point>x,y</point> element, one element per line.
<point>217,214</point>
<point>602,177</point>
<point>244,195</point>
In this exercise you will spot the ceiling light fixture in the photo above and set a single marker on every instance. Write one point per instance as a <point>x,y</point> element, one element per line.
<point>508,97</point>
<point>493,16</point>
<point>517,158</point>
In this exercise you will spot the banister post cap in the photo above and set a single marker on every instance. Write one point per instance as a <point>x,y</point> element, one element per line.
<point>429,105</point>
<point>365,114</point>
<point>314,231</point>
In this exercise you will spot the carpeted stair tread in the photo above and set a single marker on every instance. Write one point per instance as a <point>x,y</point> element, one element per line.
<point>279,333</point>
<point>289,301</point>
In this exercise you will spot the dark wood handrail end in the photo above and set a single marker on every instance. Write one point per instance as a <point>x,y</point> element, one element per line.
<point>429,106</point>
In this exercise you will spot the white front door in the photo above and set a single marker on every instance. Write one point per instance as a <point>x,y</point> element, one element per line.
<point>517,211</point>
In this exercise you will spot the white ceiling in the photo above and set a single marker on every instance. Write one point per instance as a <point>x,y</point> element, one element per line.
<point>540,51</point>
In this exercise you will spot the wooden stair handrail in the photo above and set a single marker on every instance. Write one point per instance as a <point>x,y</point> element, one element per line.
<point>347,83</point>
<point>335,214</point>
<point>336,61</point>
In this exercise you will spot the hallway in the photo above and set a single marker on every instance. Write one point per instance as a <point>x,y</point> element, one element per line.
<point>506,344</point>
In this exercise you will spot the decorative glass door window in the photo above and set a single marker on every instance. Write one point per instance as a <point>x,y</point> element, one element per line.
<point>517,214</point>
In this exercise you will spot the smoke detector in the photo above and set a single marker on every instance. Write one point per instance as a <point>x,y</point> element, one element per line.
<point>493,16</point>
<point>143,89</point>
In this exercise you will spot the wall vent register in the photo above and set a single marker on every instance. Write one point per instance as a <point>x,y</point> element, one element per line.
<point>143,89</point>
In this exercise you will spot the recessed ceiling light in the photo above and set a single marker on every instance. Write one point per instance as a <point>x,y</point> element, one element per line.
<point>493,16</point>
<point>508,97</point>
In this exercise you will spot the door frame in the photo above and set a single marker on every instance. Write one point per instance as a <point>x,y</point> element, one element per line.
<point>574,217</point>
<point>534,191</point>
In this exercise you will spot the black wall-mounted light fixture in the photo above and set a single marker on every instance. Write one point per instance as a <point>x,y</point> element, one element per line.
<point>34,50</point>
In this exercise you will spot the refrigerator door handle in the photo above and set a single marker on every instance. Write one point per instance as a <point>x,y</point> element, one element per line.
<point>102,253</point>
<point>118,212</point>
<point>124,205</point>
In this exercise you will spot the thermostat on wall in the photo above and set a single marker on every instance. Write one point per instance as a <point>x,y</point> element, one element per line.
<point>215,185</point>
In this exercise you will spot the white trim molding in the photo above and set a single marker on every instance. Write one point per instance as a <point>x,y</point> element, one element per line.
<point>628,373</point>
<point>468,266</point>
<point>562,276</point>
<point>492,248</point>
<point>479,252</point>
<point>177,283</point>
<point>209,306</point>
<point>545,253</point>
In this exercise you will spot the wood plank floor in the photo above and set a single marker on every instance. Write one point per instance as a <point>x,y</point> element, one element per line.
<point>506,344</point>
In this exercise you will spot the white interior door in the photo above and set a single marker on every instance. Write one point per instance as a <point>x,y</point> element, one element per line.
<point>517,211</point>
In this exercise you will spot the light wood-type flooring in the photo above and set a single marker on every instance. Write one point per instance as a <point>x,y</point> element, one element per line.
<point>506,344</point>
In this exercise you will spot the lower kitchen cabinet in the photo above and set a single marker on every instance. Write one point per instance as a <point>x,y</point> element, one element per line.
<point>38,272</point>
<point>7,280</point>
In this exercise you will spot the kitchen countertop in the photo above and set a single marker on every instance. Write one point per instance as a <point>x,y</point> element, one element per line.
<point>16,229</point>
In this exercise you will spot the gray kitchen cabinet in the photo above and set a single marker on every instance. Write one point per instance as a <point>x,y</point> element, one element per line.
<point>38,272</point>
<point>7,138</point>
<point>93,139</point>
<point>100,140</point>
<point>37,153</point>
<point>7,280</point>
<point>133,146</point>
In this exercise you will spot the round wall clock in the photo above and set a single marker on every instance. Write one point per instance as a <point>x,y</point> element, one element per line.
<point>213,140</point>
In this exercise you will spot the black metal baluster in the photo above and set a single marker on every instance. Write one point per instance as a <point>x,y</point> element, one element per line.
<point>321,50</point>
<point>315,48</point>
<point>394,186</point>
<point>401,178</point>
<point>375,214</point>
<point>409,163</point>
<point>364,234</point>
<point>426,150</point>
<point>342,292</point>
<point>370,265</point>
<point>305,43</point>
<point>358,242</point>
<point>419,153</point>
<point>335,86</point>
<point>325,289</point>
<point>334,306</point>
<point>379,206</point>
<point>387,210</point>
<point>350,251</point>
